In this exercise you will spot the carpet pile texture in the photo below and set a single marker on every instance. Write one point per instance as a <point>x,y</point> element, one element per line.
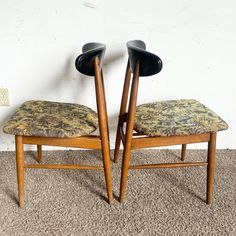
<point>158,202</point>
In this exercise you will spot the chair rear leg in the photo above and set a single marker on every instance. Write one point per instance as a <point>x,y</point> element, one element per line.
<point>20,169</point>
<point>107,171</point>
<point>117,146</point>
<point>103,127</point>
<point>39,153</point>
<point>129,132</point>
<point>211,166</point>
<point>124,173</point>
<point>183,152</point>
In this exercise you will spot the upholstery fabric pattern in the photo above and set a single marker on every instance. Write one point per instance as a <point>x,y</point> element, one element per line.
<point>52,119</point>
<point>176,117</point>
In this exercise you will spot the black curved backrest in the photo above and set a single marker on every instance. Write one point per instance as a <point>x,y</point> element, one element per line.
<point>149,63</point>
<point>84,63</point>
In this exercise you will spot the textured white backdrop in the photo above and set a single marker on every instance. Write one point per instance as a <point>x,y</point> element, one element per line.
<point>39,41</point>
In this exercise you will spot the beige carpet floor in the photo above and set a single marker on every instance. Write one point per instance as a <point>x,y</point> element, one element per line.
<point>159,202</point>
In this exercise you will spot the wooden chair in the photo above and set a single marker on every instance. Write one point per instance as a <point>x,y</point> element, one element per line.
<point>161,123</point>
<point>65,124</point>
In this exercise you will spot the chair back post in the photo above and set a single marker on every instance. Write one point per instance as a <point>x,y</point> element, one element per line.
<point>105,104</point>
<point>132,105</point>
<point>126,87</point>
<point>123,107</point>
<point>100,98</point>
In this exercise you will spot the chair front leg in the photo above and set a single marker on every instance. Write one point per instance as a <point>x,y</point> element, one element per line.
<point>20,169</point>
<point>211,166</point>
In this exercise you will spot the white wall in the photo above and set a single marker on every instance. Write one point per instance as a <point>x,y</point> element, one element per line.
<point>39,41</point>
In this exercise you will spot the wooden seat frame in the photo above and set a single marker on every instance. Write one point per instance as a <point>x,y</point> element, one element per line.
<point>132,140</point>
<point>89,142</point>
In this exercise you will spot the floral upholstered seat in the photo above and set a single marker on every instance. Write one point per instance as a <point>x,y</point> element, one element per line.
<point>52,119</point>
<point>176,117</point>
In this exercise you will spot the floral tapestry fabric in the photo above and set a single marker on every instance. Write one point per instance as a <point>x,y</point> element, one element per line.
<point>176,117</point>
<point>52,119</point>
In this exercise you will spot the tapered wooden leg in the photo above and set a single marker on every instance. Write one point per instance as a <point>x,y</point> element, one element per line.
<point>183,152</point>
<point>124,173</point>
<point>211,166</point>
<point>129,132</point>
<point>107,170</point>
<point>103,127</point>
<point>20,169</point>
<point>39,152</point>
<point>117,146</point>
